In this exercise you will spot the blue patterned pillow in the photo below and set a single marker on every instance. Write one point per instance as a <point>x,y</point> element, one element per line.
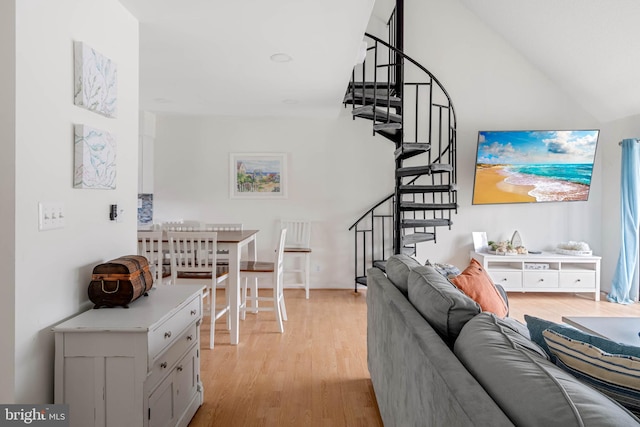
<point>615,374</point>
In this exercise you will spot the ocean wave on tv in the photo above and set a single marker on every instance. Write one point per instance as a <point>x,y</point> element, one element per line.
<point>550,189</point>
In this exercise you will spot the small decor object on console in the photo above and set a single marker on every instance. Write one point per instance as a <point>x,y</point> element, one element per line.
<point>574,248</point>
<point>120,281</point>
<point>516,240</point>
<point>506,248</point>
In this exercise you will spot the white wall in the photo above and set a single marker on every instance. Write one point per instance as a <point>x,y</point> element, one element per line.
<point>7,195</point>
<point>494,88</point>
<point>53,268</point>
<point>336,171</point>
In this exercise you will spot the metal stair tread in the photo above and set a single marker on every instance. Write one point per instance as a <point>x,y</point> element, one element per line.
<point>367,112</point>
<point>424,170</point>
<point>409,189</point>
<point>413,206</point>
<point>411,149</point>
<point>427,222</point>
<point>410,239</point>
<point>387,126</point>
<point>369,98</point>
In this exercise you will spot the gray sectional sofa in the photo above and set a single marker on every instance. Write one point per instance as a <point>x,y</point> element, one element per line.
<point>462,366</point>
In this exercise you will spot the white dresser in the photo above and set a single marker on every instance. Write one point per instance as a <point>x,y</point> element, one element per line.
<point>546,272</point>
<point>134,367</point>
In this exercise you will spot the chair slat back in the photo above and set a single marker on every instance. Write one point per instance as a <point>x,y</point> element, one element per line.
<point>222,227</point>
<point>298,233</point>
<point>150,247</point>
<point>192,252</point>
<point>280,254</point>
<point>181,226</point>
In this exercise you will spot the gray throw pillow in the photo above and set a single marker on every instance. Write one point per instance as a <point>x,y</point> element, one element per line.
<point>444,306</point>
<point>398,268</point>
<point>530,389</point>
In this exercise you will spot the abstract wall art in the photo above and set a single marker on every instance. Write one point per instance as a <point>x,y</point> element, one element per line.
<point>95,81</point>
<point>95,158</point>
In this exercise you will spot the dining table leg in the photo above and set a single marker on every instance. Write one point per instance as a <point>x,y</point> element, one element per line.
<point>235,253</point>
<point>234,289</point>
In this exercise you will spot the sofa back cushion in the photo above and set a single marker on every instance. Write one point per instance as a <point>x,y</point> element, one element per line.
<point>531,390</point>
<point>444,306</point>
<point>398,268</point>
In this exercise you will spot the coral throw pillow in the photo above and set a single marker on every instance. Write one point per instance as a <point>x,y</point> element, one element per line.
<point>477,284</point>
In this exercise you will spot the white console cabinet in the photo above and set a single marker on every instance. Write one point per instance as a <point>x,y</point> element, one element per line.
<point>546,272</point>
<point>137,366</point>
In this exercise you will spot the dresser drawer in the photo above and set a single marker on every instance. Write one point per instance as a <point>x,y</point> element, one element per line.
<point>164,363</point>
<point>577,279</point>
<point>167,332</point>
<point>509,280</point>
<point>540,279</point>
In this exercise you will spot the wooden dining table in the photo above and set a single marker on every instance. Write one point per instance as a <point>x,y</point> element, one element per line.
<point>234,241</point>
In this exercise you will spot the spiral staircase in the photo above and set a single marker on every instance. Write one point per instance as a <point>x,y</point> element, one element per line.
<point>409,107</point>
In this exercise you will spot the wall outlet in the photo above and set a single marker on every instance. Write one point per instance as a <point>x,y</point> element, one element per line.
<point>51,215</point>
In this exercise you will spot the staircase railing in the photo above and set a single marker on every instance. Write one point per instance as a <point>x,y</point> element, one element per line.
<point>417,115</point>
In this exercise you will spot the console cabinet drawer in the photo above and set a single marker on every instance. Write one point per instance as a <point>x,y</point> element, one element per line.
<point>540,279</point>
<point>165,334</point>
<point>509,280</point>
<point>575,279</point>
<point>165,362</point>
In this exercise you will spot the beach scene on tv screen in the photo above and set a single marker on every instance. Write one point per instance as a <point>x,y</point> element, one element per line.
<point>534,166</point>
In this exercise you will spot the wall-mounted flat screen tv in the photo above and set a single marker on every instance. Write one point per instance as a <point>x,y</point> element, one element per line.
<point>534,166</point>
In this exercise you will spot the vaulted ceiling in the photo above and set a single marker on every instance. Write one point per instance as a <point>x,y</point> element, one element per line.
<point>208,57</point>
<point>589,48</point>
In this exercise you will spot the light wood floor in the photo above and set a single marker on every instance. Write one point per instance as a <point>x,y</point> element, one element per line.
<point>315,374</point>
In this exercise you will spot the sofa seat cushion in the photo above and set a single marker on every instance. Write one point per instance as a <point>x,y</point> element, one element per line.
<point>398,268</point>
<point>444,306</point>
<point>530,389</point>
<point>478,285</point>
<point>614,374</point>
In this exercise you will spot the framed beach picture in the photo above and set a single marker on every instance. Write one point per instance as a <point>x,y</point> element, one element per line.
<point>534,166</point>
<point>258,175</point>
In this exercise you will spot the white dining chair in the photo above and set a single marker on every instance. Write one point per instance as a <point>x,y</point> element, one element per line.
<point>193,261</point>
<point>271,271</point>
<point>222,254</point>
<point>297,249</point>
<point>150,247</point>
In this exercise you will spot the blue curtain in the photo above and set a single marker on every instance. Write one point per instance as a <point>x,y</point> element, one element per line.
<point>623,289</point>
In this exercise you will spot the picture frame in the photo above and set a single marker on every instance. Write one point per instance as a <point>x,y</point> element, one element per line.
<point>95,164</point>
<point>258,175</point>
<point>480,243</point>
<point>95,81</point>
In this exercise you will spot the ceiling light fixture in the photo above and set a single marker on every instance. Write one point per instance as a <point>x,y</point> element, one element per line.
<point>281,57</point>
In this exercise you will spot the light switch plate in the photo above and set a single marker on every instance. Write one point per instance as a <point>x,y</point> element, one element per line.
<point>51,215</point>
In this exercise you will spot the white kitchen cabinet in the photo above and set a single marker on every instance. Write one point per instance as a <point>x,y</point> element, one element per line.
<point>546,272</point>
<point>139,366</point>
